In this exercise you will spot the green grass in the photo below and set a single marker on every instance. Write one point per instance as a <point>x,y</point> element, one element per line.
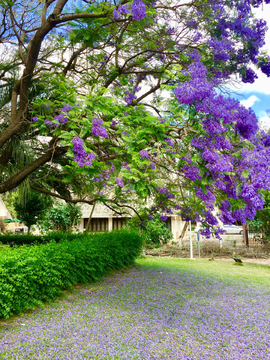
<point>223,269</point>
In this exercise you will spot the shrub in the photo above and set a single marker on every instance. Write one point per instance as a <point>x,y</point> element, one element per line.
<point>63,217</point>
<point>30,275</point>
<point>154,232</point>
<point>57,236</point>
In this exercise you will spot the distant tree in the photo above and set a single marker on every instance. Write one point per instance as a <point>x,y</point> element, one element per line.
<point>154,232</point>
<point>261,222</point>
<point>32,208</point>
<point>62,218</point>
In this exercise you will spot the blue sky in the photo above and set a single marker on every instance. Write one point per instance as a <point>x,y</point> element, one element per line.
<point>257,95</point>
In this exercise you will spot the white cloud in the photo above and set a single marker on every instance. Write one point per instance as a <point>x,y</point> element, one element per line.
<point>250,101</point>
<point>264,123</point>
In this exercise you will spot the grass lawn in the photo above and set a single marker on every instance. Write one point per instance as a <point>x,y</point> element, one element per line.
<point>163,308</point>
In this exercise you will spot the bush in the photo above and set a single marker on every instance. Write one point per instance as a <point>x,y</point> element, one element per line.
<point>30,275</point>
<point>154,232</point>
<point>57,236</point>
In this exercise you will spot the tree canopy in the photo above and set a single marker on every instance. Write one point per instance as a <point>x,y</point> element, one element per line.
<point>128,97</point>
<point>32,209</point>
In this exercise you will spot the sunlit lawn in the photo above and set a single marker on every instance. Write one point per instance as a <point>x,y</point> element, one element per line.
<point>161,309</point>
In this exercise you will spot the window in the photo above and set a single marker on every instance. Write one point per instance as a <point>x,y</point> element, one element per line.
<point>118,223</point>
<point>97,224</point>
<point>168,223</point>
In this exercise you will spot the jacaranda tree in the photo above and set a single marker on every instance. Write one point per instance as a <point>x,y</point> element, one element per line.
<point>127,97</point>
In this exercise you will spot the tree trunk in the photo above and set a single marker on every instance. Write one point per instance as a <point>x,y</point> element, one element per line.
<point>90,217</point>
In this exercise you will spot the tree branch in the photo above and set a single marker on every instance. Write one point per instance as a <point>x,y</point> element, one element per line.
<point>21,175</point>
<point>67,199</point>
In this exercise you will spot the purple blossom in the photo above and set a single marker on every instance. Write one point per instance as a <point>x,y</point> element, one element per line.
<point>163,217</point>
<point>249,76</point>
<point>121,9</point>
<point>81,156</point>
<point>165,192</point>
<point>144,154</point>
<point>120,182</point>
<point>265,68</point>
<point>112,168</point>
<point>169,141</point>
<point>35,119</point>
<point>66,108</point>
<point>62,118</point>
<point>130,97</point>
<point>138,10</point>
<point>89,159</point>
<point>98,129</point>
<point>124,165</point>
<point>192,172</point>
<point>197,88</point>
<point>48,122</point>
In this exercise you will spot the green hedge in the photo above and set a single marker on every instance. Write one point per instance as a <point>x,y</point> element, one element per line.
<point>30,275</point>
<point>16,239</point>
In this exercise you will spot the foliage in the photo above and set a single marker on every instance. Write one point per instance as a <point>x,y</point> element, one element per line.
<point>63,217</point>
<point>261,223</point>
<point>152,231</point>
<point>32,209</point>
<point>9,199</point>
<point>30,275</point>
<point>128,106</point>
<point>57,236</point>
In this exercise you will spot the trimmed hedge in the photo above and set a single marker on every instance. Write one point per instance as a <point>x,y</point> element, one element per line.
<point>16,239</point>
<point>30,275</point>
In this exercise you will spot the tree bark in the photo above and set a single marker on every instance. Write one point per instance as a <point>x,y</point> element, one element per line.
<point>90,217</point>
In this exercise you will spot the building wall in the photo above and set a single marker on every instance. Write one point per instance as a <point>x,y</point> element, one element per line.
<point>4,211</point>
<point>102,215</point>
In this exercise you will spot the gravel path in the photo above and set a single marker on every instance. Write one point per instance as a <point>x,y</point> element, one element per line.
<point>147,313</point>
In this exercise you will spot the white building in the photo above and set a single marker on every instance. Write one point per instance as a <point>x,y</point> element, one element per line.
<point>4,213</point>
<point>104,219</point>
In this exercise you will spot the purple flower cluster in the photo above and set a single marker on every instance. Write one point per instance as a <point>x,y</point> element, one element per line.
<point>120,182</point>
<point>197,88</point>
<point>249,76</point>
<point>165,192</point>
<point>98,129</point>
<point>130,97</point>
<point>138,10</point>
<point>81,156</point>
<point>169,141</point>
<point>121,9</point>
<point>62,118</point>
<point>265,68</point>
<point>125,165</point>
<point>48,122</point>
<point>144,154</point>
